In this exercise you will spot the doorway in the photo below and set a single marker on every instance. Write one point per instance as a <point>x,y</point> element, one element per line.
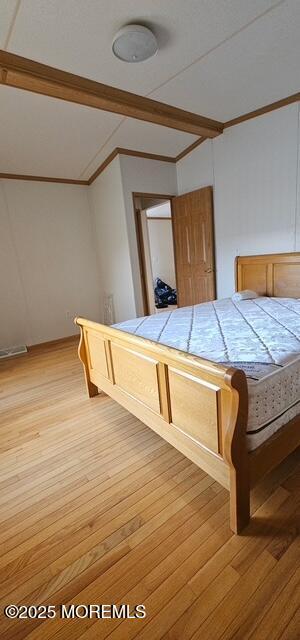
<point>157,262</point>
<point>175,236</point>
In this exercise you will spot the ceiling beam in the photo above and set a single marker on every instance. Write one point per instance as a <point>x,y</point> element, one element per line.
<point>21,73</point>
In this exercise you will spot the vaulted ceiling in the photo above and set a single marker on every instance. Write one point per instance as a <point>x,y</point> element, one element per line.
<point>217,58</point>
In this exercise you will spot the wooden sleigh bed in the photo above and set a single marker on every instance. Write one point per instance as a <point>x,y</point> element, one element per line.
<point>198,406</point>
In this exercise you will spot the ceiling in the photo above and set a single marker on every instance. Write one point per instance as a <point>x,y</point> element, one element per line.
<point>160,211</point>
<point>218,58</point>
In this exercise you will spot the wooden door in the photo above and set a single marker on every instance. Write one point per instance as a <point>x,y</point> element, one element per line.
<point>192,215</point>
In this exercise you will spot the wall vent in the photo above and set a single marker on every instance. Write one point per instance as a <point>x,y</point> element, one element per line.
<point>13,351</point>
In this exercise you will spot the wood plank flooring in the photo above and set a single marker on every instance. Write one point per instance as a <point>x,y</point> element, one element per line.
<point>96,508</point>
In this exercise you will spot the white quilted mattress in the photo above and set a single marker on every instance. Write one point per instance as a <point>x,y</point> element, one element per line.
<point>260,336</point>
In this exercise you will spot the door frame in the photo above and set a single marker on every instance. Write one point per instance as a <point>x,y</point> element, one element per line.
<point>152,197</point>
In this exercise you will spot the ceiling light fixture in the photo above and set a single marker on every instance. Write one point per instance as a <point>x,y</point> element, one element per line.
<point>134,43</point>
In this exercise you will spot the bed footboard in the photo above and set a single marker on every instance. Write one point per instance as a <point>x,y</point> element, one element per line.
<point>198,406</point>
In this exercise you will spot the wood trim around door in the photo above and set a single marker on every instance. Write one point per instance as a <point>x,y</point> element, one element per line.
<point>141,254</point>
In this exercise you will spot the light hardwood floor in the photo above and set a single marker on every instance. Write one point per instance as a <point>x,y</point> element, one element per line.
<point>96,508</point>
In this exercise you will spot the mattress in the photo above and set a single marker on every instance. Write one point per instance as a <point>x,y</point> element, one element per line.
<point>260,336</point>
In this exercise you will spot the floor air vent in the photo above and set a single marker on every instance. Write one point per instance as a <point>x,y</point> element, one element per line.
<point>13,351</point>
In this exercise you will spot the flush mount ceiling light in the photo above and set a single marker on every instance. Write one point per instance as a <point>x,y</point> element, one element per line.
<point>134,43</point>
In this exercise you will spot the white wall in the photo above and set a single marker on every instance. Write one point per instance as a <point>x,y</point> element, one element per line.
<point>160,210</point>
<point>253,169</point>
<point>161,250</point>
<point>47,265</point>
<point>196,169</point>
<point>63,246</point>
<point>111,237</point>
<point>143,176</point>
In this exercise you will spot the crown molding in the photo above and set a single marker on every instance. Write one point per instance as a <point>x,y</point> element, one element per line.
<point>266,109</point>
<point>117,151</point>
<point>18,176</point>
<point>230,123</point>
<point>188,150</point>
<point>28,75</point>
<point>143,154</point>
<point>22,73</point>
<point>103,166</point>
<point>128,152</point>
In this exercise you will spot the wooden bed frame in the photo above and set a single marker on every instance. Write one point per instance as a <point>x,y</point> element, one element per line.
<point>198,406</point>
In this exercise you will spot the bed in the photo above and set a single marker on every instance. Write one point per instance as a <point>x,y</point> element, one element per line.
<point>219,381</point>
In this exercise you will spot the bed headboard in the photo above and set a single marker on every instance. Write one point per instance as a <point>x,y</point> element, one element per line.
<point>274,274</point>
